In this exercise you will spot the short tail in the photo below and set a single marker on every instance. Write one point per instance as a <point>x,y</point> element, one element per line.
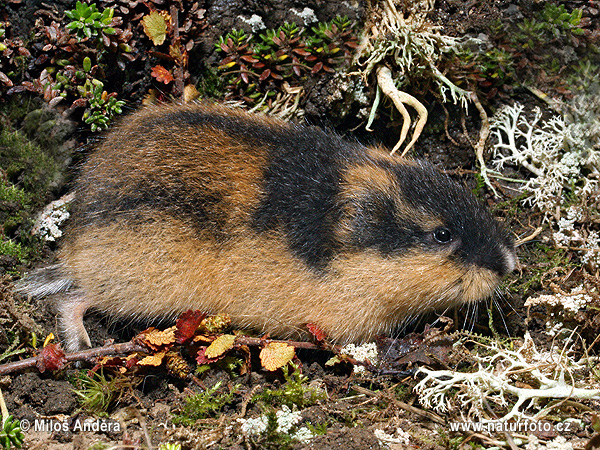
<point>45,281</point>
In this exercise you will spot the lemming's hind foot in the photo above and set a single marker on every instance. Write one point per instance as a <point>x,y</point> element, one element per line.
<point>72,310</point>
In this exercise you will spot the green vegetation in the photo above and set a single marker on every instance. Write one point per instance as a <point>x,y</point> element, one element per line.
<point>294,393</point>
<point>205,404</point>
<point>88,22</point>
<point>10,433</point>
<point>98,392</point>
<point>255,68</point>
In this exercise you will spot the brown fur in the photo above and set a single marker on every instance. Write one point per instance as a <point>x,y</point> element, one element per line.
<point>134,258</point>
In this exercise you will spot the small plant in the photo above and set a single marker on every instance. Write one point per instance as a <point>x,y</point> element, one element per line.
<point>88,22</point>
<point>97,392</point>
<point>170,446</point>
<point>204,404</point>
<point>257,67</point>
<point>11,434</point>
<point>294,393</point>
<point>103,107</point>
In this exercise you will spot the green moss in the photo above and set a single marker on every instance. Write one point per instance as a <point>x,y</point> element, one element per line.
<point>26,165</point>
<point>295,391</point>
<point>203,405</point>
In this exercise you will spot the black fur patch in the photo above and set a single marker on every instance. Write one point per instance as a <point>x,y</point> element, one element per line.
<point>301,188</point>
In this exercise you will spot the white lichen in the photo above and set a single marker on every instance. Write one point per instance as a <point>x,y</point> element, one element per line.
<point>307,15</point>
<point>287,421</point>
<point>559,443</point>
<point>550,375</point>
<point>48,223</point>
<point>562,306</point>
<point>363,352</point>
<point>400,437</point>
<point>556,152</point>
<point>255,21</point>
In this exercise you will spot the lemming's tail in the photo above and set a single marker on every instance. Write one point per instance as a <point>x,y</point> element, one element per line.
<point>45,281</point>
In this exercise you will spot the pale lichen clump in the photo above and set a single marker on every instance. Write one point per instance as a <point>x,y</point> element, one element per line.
<point>287,421</point>
<point>561,307</point>
<point>553,151</point>
<point>48,223</point>
<point>401,46</point>
<point>399,437</point>
<point>364,352</point>
<point>503,375</point>
<point>562,156</point>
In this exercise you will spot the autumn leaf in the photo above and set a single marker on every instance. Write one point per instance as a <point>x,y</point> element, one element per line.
<point>51,358</point>
<point>156,25</point>
<point>155,339</point>
<point>219,346</point>
<point>202,359</point>
<point>186,325</point>
<point>152,360</point>
<point>316,332</point>
<point>161,74</point>
<point>275,355</point>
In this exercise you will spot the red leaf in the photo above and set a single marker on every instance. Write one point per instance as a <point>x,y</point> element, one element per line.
<point>51,358</point>
<point>318,66</point>
<point>162,75</point>
<point>202,359</point>
<point>248,59</point>
<point>264,75</point>
<point>187,324</point>
<point>316,332</point>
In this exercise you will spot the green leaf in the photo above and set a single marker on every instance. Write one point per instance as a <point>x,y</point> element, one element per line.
<point>109,30</point>
<point>87,64</point>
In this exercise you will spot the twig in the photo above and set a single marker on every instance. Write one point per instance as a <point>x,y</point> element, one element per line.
<point>85,355</point>
<point>532,236</point>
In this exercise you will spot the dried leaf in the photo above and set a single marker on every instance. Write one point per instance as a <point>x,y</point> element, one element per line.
<point>161,74</point>
<point>190,93</point>
<point>319,334</point>
<point>156,25</point>
<point>155,339</point>
<point>51,358</point>
<point>219,346</point>
<point>187,324</point>
<point>276,355</point>
<point>153,360</point>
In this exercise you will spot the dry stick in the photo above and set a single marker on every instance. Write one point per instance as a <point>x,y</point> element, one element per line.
<point>484,133</point>
<point>127,347</point>
<point>386,83</point>
<point>178,70</point>
<point>531,237</point>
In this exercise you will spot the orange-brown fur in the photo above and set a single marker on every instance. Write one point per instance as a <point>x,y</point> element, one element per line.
<point>150,262</point>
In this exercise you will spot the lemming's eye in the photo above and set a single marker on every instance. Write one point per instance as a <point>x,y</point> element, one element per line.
<point>442,235</point>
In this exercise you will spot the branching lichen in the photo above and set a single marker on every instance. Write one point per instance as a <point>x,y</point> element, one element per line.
<point>489,393</point>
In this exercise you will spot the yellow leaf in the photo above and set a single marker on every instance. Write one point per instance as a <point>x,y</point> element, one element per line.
<point>190,93</point>
<point>49,339</point>
<point>219,346</point>
<point>156,25</point>
<point>155,338</point>
<point>276,355</point>
<point>152,360</point>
